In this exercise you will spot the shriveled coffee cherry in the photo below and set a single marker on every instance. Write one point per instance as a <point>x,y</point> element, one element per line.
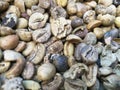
<point>60,62</point>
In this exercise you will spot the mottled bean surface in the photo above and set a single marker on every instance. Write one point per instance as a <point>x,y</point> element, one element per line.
<point>59,44</point>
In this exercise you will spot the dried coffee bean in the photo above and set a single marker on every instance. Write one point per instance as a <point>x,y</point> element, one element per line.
<point>7,42</point>
<point>80,31</point>
<point>10,20</point>
<point>68,49</point>
<point>37,54</point>
<point>71,7</point>
<point>11,55</point>
<point>4,66</point>
<point>57,12</point>
<point>96,86</point>
<point>4,30</point>
<point>114,46</point>
<point>13,84</point>
<point>76,71</point>
<point>31,85</point>
<point>98,32</point>
<point>24,34</point>
<point>108,36</point>
<point>89,16</point>
<point>3,5</point>
<point>60,62</point>
<point>53,48</point>
<point>89,54</point>
<point>28,71</point>
<point>117,22</point>
<point>116,69</point>
<point>44,4</point>
<point>61,27</point>
<point>106,20</point>
<point>13,9</point>
<point>55,84</point>
<point>104,71</point>
<point>37,8</point>
<point>99,47</point>
<point>100,9</point>
<point>22,23</point>
<point>116,2</point>
<point>76,84</point>
<point>71,60</point>
<point>16,69</point>
<point>29,4</point>
<point>29,47</point>
<point>106,29</point>
<point>107,58</point>
<point>76,21</point>
<point>91,77</point>
<point>78,49</point>
<point>42,35</point>
<point>37,20</point>
<point>111,10</point>
<point>81,9</point>
<point>92,4</point>
<point>105,2</point>
<point>112,82</point>
<point>103,10</point>
<point>50,41</point>
<point>46,72</point>
<point>20,4</point>
<point>93,24</point>
<point>90,38</point>
<point>73,38</point>
<point>117,54</point>
<point>62,3</point>
<point>21,46</point>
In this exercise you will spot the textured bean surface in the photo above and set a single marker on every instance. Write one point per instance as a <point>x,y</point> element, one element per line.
<point>59,44</point>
